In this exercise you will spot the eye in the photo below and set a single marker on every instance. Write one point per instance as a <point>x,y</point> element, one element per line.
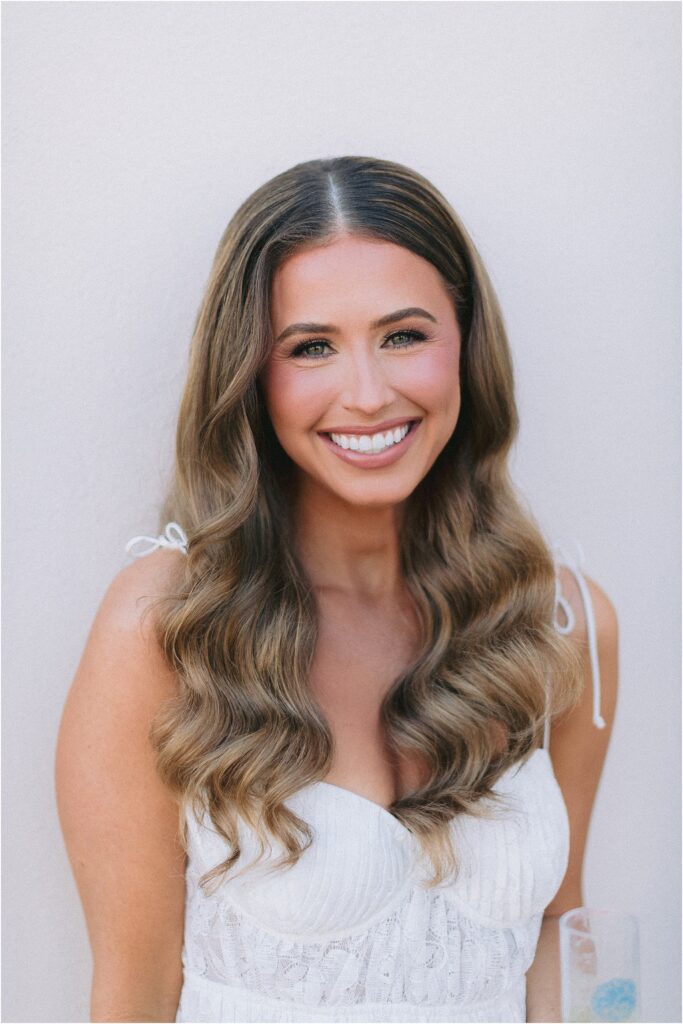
<point>305,347</point>
<point>315,349</point>
<point>410,338</point>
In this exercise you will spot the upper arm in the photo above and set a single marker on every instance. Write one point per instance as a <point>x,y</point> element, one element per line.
<point>577,748</point>
<point>120,822</point>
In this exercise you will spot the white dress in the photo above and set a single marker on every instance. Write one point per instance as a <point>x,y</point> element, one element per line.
<point>348,934</point>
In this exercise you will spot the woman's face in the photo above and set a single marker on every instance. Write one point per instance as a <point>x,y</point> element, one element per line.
<point>366,346</point>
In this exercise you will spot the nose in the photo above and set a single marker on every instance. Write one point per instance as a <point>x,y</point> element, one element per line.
<point>365,387</point>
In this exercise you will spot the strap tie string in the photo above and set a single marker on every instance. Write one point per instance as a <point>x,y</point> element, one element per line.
<point>173,537</point>
<point>575,562</point>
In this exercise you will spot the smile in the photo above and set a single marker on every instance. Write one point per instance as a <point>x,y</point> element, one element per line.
<point>372,451</point>
<point>371,443</point>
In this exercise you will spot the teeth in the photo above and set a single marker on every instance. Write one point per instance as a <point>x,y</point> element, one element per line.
<point>373,443</point>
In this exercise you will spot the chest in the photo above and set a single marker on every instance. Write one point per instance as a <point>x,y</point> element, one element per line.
<point>363,863</point>
<point>361,651</point>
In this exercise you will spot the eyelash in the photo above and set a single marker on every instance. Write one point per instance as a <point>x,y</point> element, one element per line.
<point>415,336</point>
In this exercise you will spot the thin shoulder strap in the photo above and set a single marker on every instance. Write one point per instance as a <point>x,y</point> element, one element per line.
<point>562,555</point>
<point>173,537</point>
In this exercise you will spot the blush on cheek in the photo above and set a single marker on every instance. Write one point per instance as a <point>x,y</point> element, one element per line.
<point>435,379</point>
<point>295,399</point>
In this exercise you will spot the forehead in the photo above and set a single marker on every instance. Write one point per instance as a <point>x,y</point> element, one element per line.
<point>353,274</point>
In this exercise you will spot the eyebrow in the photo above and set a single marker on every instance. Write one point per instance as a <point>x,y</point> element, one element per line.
<point>389,318</point>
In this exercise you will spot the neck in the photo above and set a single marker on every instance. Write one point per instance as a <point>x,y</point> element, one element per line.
<point>348,549</point>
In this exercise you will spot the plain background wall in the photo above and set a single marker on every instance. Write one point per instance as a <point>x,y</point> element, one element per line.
<point>132,132</point>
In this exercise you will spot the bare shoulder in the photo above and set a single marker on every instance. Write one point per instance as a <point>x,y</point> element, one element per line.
<point>121,646</point>
<point>119,820</point>
<point>578,748</point>
<point>121,642</point>
<point>122,676</point>
<point>605,644</point>
<point>604,611</point>
<point>130,592</point>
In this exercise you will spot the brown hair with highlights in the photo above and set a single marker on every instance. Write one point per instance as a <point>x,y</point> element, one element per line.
<point>245,732</point>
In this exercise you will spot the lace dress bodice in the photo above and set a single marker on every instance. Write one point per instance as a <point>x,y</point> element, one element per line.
<point>349,933</point>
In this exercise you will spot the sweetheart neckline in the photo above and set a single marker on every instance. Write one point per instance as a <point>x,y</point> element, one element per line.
<point>382,811</point>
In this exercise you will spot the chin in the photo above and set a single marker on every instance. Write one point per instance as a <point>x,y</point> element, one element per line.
<point>376,496</point>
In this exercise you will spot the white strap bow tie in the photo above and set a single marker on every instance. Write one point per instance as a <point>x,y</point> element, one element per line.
<point>173,537</point>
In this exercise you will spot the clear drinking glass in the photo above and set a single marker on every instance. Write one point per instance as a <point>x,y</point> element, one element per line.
<point>599,965</point>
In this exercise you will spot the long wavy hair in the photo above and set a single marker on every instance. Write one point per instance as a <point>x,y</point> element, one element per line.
<point>244,732</point>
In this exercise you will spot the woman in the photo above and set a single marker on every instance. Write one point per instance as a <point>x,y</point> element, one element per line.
<point>337,666</point>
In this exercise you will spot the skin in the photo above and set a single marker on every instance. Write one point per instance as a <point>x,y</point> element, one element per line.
<point>119,821</point>
<point>577,751</point>
<point>348,517</point>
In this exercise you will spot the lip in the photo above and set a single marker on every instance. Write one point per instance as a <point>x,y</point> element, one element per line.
<point>377,428</point>
<point>374,461</point>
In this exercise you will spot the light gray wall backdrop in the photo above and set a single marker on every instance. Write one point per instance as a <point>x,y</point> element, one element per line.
<point>132,132</point>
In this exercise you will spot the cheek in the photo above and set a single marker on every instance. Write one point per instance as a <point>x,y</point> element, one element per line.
<point>434,382</point>
<point>294,398</point>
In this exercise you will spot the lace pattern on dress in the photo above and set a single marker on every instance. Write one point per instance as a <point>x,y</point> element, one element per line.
<point>425,951</point>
